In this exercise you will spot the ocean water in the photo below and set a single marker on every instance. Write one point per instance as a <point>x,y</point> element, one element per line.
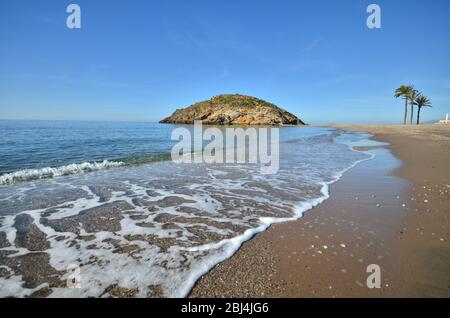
<point>104,198</point>
<point>56,144</point>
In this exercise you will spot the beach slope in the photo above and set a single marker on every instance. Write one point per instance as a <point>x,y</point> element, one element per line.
<point>391,212</point>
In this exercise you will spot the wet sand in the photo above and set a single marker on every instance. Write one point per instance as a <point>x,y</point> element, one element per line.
<point>395,214</point>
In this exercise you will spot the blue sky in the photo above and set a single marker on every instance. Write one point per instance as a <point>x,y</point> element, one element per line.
<point>140,60</point>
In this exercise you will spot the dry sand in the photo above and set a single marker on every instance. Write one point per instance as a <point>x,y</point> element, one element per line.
<point>385,212</point>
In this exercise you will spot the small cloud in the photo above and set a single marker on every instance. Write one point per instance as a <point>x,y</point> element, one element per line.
<point>312,45</point>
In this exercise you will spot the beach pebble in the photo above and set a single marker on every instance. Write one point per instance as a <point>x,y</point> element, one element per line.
<point>426,201</point>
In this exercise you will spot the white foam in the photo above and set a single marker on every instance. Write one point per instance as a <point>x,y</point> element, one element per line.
<point>231,246</point>
<point>49,172</point>
<point>14,286</point>
<point>154,266</point>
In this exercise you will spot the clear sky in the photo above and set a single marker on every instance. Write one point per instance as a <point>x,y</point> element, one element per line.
<point>140,60</point>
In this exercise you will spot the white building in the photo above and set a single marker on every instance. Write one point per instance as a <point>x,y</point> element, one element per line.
<point>446,120</point>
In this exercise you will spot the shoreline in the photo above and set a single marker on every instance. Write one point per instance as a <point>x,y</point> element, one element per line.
<point>325,253</point>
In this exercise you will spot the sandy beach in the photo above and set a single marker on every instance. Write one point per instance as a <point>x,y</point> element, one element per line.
<point>392,211</point>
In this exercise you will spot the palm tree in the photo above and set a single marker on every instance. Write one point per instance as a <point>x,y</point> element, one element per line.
<point>421,101</point>
<point>412,99</point>
<point>404,91</point>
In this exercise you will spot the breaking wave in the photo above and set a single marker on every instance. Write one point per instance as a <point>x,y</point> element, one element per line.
<point>51,172</point>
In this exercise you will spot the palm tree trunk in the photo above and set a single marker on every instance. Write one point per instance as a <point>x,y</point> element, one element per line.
<point>412,113</point>
<point>406,111</point>
<point>418,115</point>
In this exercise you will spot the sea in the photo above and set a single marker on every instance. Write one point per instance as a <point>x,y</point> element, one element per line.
<point>99,209</point>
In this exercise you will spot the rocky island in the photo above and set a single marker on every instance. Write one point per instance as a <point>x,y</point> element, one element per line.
<point>233,109</point>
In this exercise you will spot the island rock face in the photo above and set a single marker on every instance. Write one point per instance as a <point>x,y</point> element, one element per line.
<point>233,109</point>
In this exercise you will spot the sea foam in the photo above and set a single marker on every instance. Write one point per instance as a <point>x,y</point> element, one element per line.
<point>50,172</point>
<point>176,221</point>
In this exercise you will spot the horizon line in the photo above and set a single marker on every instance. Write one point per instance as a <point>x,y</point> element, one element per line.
<point>157,122</point>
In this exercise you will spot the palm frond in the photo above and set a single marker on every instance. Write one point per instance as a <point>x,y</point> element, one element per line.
<point>422,101</point>
<point>403,91</point>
